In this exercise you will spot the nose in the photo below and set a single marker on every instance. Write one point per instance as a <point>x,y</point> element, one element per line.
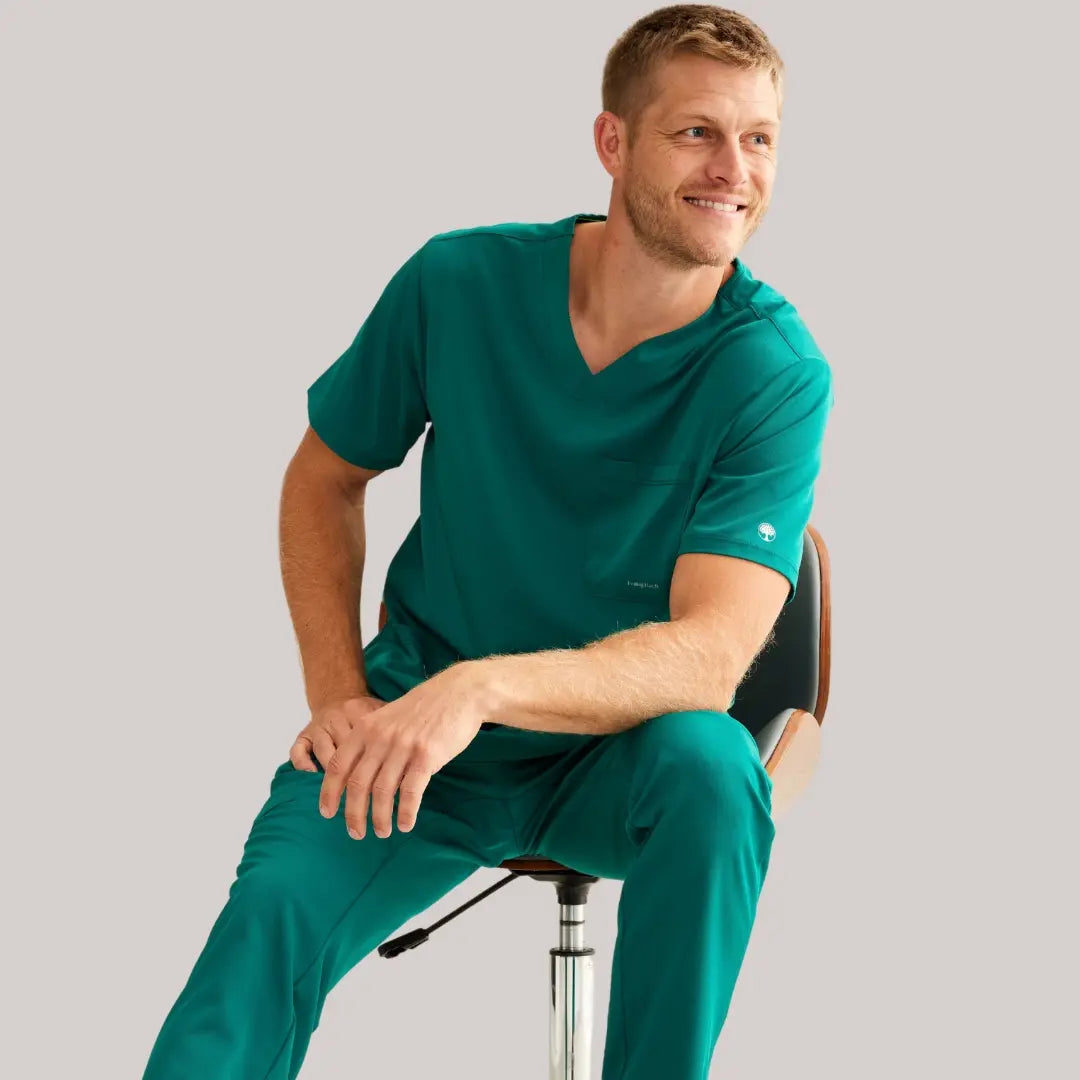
<point>728,164</point>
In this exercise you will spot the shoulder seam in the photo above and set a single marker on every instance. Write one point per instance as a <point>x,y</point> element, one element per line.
<point>762,317</point>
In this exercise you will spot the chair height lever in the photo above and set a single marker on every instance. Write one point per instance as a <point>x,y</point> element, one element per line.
<point>396,946</point>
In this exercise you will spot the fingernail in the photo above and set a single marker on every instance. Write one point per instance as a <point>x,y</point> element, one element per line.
<point>353,833</point>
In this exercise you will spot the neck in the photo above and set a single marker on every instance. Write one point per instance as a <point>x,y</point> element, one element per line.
<point>620,292</point>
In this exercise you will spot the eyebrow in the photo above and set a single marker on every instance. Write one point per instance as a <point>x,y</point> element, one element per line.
<point>716,123</point>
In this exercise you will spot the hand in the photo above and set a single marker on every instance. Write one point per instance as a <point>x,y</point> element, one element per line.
<point>402,745</point>
<point>328,729</point>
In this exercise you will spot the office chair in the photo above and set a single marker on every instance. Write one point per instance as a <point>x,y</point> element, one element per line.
<point>781,701</point>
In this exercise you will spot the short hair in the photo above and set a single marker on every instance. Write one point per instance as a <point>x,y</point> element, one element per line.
<point>628,85</point>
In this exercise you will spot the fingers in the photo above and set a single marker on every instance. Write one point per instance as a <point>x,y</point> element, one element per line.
<point>319,739</point>
<point>374,779</point>
<point>300,754</point>
<point>383,789</point>
<point>413,787</point>
<point>339,768</point>
<point>325,747</point>
<point>369,766</point>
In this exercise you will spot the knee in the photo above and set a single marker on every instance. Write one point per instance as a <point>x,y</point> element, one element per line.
<point>706,762</point>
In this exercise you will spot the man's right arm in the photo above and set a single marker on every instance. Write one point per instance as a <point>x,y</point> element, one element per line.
<point>321,545</point>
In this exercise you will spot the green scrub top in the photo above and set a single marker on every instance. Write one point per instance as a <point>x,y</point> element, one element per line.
<point>554,501</point>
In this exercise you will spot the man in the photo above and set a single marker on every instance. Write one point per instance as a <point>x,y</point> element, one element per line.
<point>625,431</point>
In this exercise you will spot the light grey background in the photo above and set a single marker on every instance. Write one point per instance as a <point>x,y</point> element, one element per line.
<point>201,201</point>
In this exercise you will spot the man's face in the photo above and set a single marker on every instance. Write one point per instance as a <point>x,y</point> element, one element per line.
<point>713,131</point>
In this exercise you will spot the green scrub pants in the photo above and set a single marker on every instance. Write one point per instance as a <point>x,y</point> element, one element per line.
<point>678,808</point>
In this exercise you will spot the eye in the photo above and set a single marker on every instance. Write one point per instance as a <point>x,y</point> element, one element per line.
<point>702,128</point>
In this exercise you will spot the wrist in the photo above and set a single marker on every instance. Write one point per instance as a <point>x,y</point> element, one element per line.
<point>493,688</point>
<point>335,695</point>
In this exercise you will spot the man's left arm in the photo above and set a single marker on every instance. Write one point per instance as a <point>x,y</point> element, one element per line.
<point>736,567</point>
<point>722,611</point>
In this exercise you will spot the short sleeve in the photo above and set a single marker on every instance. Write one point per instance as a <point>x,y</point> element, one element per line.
<point>760,490</point>
<point>369,405</point>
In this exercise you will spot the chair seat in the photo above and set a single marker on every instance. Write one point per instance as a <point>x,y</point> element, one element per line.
<point>535,864</point>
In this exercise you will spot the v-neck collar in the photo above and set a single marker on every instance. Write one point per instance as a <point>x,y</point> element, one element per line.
<point>631,365</point>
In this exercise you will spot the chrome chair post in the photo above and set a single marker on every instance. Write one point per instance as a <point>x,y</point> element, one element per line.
<point>570,1026</point>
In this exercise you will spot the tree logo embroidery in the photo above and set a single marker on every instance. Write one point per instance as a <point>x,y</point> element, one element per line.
<point>766,532</point>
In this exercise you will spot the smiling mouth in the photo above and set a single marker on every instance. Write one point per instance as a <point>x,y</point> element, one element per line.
<point>730,213</point>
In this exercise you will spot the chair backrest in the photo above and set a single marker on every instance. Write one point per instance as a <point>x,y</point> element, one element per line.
<point>792,670</point>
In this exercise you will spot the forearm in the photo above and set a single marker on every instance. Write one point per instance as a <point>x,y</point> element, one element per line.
<point>321,547</point>
<point>614,683</point>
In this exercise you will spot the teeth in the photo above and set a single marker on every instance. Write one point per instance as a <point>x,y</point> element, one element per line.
<point>729,207</point>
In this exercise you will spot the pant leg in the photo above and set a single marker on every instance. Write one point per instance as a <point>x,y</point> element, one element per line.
<point>679,808</point>
<point>307,904</point>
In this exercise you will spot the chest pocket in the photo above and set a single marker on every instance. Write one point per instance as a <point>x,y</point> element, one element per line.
<point>633,528</point>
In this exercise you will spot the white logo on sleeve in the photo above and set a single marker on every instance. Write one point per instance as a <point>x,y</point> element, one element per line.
<point>766,532</point>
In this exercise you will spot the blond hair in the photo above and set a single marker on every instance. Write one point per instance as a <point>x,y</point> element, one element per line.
<point>628,84</point>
